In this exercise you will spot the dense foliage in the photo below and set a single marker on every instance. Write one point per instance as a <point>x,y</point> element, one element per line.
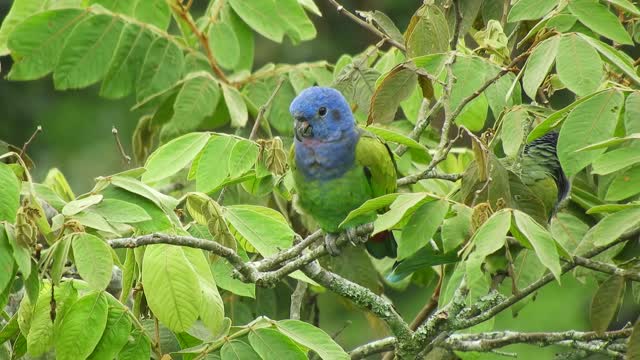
<point>152,262</point>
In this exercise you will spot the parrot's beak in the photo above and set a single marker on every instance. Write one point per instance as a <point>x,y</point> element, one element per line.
<point>303,129</point>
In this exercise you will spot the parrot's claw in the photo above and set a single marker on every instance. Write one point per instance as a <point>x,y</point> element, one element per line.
<point>330,243</point>
<point>352,236</point>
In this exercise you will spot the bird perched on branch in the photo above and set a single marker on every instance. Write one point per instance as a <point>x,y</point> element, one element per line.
<point>534,183</point>
<point>337,166</point>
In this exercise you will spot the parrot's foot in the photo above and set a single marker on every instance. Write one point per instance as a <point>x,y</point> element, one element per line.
<point>353,237</point>
<point>330,243</point>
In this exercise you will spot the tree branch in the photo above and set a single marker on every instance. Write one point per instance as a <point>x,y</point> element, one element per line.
<point>341,9</point>
<point>424,119</point>
<point>374,347</point>
<point>606,268</point>
<point>263,109</point>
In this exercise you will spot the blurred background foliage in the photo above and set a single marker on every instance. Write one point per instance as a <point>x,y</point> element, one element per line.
<point>77,139</point>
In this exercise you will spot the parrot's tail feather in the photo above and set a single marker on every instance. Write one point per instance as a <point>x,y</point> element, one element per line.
<point>382,245</point>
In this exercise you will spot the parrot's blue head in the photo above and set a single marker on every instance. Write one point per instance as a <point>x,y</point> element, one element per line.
<point>321,114</point>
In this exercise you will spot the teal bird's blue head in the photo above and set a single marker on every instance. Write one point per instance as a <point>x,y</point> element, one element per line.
<point>325,133</point>
<point>321,114</point>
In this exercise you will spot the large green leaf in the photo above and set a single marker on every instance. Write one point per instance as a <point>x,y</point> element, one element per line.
<point>617,58</point>
<point>264,228</point>
<point>242,158</point>
<point>37,42</point>
<point>579,66</point>
<point>541,241</point>
<point>599,19</point>
<point>612,227</point>
<point>213,165</point>
<point>539,64</point>
<point>236,105</point>
<point>615,160</point>
<point>137,348</point>
<point>491,235</point>
<point>402,206</point>
<point>271,344</point>
<point>423,258</point>
<point>87,52</point>
<point>590,122</point>
<point>428,32</point>
<point>421,227</point>
<point>568,230</point>
<point>75,206</point>
<point>120,78</point>
<point>116,332</point>
<point>120,211</point>
<point>369,207</point>
<point>605,303</point>
<point>624,184</point>
<point>161,69</point>
<point>171,286</point>
<point>260,16</point>
<point>198,98</point>
<point>7,263</point>
<point>513,130</point>
<point>80,330</point>
<point>9,194</point>
<point>20,10</point>
<point>93,259</point>
<point>530,9</point>
<point>396,86</point>
<point>313,338</point>
<point>173,156</point>
<point>476,71</point>
<point>238,350</point>
<point>456,229</point>
<point>155,12</point>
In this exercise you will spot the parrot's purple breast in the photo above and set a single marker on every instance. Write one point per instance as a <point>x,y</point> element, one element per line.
<point>318,160</point>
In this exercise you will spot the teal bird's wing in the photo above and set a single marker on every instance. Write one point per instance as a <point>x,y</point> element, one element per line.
<point>373,154</point>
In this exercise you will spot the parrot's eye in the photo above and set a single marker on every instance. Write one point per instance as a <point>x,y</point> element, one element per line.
<point>322,111</point>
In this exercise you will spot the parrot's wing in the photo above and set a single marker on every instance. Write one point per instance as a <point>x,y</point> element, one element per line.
<point>374,155</point>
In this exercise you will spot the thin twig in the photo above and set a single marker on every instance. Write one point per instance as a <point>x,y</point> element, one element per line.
<point>296,300</point>
<point>606,268</point>
<point>263,109</point>
<point>423,120</point>
<point>371,348</point>
<point>33,136</point>
<point>125,157</point>
<point>183,13</point>
<point>341,9</point>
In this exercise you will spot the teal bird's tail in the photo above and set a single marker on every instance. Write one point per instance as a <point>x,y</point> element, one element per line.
<point>382,244</point>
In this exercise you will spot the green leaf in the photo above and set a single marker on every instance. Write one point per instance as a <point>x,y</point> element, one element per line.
<point>313,338</point>
<point>40,337</point>
<point>121,211</point>
<point>37,42</point>
<point>161,69</point>
<point>260,16</point>
<point>615,160</point>
<point>238,350</point>
<point>613,226</point>
<point>197,99</point>
<point>116,333</point>
<point>421,227</point>
<point>605,303</point>
<point>513,130</point>
<point>87,52</point>
<point>163,201</point>
<point>403,205</point>
<point>271,344</point>
<point>264,228</point>
<point>456,230</point>
<point>396,137</point>
<point>93,259</point>
<point>171,286</point>
<point>357,85</point>
<point>625,5</point>
<point>384,23</point>
<point>137,348</point>
<point>578,65</point>
<point>624,185</point>
<point>539,64</point>
<point>212,308</point>
<point>368,207</point>
<point>236,105</point>
<point>599,19</point>
<point>491,235</point>
<point>591,121</point>
<point>213,166</point>
<point>421,259</point>
<point>78,333</point>
<point>476,71</point>
<point>224,44</point>
<point>297,25</point>
<point>154,12</point>
<point>568,230</point>
<point>45,193</point>
<point>120,78</point>
<point>9,194</point>
<point>530,9</point>
<point>428,32</point>
<point>76,206</point>
<point>244,35</point>
<point>173,156</point>
<point>611,142</point>
<point>159,219</point>
<point>396,86</point>
<point>242,158</point>
<point>20,10</point>
<point>21,255</point>
<point>614,56</point>
<point>541,241</point>
<point>6,260</point>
